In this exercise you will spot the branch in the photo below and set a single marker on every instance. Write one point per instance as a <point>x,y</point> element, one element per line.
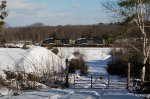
<point>17,64</point>
<point>132,46</point>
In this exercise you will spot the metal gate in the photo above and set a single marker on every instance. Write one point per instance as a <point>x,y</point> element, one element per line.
<point>116,82</point>
<point>101,81</point>
<point>92,81</point>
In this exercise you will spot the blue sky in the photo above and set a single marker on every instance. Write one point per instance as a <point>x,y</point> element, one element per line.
<point>56,12</point>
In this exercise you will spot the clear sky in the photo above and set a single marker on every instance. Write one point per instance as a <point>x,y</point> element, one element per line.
<point>56,12</point>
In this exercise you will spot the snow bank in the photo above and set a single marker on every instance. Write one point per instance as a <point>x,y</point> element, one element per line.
<point>39,60</point>
<point>9,57</point>
<point>36,59</point>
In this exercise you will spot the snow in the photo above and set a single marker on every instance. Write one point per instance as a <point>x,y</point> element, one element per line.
<point>76,94</point>
<point>90,53</point>
<point>20,45</point>
<point>36,59</point>
<point>96,58</point>
<point>9,57</point>
<point>40,60</point>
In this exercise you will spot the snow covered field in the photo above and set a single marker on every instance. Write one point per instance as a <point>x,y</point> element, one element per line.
<point>91,54</point>
<point>96,58</point>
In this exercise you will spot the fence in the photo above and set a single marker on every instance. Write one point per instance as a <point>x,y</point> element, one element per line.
<point>102,81</point>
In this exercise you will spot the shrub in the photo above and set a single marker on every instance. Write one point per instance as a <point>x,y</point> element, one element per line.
<point>30,82</point>
<point>32,77</point>
<point>120,58</point>
<point>84,70</point>
<point>73,65</point>
<point>55,51</point>
<point>76,64</point>
<point>145,88</point>
<point>10,75</point>
<point>19,77</point>
<point>117,67</point>
<point>78,55</point>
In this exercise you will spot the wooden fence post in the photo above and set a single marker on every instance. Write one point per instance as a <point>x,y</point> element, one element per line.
<point>108,81</point>
<point>67,83</point>
<point>74,81</point>
<point>91,81</point>
<point>128,78</point>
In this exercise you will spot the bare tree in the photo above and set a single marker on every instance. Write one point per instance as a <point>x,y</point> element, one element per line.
<point>135,12</point>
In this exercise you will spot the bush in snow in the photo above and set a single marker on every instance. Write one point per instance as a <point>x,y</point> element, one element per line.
<point>3,82</point>
<point>118,66</point>
<point>78,55</point>
<point>32,77</point>
<point>10,75</point>
<point>84,69</point>
<point>19,77</point>
<point>76,64</point>
<point>120,58</point>
<point>30,83</point>
<point>145,88</point>
<point>55,50</point>
<point>21,80</point>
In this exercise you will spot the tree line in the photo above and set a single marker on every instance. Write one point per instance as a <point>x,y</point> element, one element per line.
<point>37,32</point>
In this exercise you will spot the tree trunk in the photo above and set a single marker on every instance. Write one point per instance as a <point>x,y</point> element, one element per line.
<point>144,55</point>
<point>143,74</point>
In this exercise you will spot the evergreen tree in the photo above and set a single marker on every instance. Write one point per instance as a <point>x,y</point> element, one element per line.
<point>3,11</point>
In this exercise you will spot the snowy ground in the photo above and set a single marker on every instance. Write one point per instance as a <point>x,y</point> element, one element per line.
<point>75,94</point>
<point>97,59</point>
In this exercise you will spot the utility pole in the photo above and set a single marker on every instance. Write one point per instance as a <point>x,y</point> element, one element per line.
<point>67,83</point>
